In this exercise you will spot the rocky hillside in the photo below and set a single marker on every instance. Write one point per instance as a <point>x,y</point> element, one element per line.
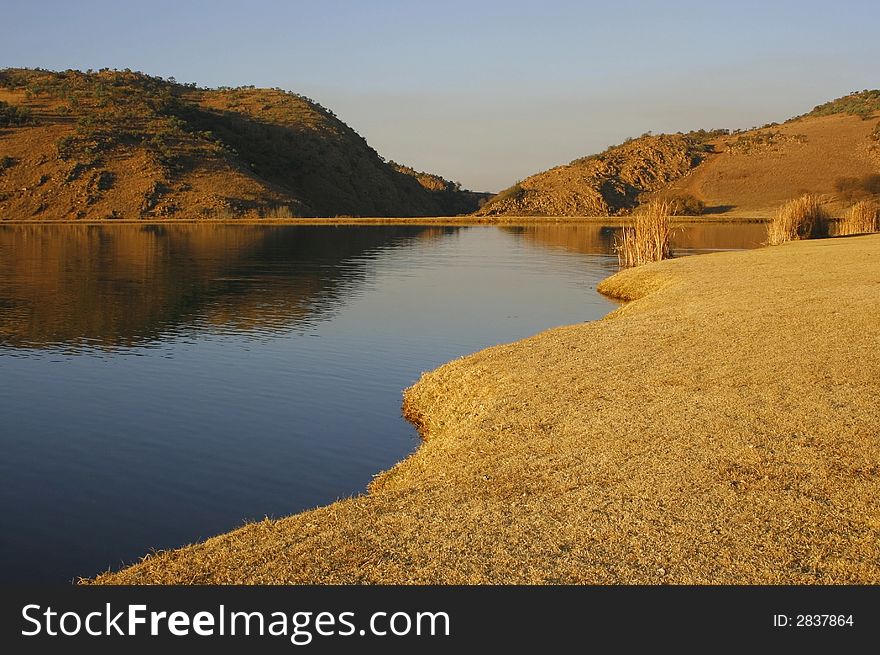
<point>834,150</point>
<point>605,184</point>
<point>121,144</point>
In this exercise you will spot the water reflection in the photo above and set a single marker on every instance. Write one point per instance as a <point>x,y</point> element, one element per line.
<point>94,286</point>
<point>162,384</point>
<point>100,286</point>
<point>687,238</point>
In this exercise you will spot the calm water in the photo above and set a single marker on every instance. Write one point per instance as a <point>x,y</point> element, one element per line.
<point>159,385</point>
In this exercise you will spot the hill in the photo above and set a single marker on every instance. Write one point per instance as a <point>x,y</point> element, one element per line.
<point>122,144</point>
<point>833,150</point>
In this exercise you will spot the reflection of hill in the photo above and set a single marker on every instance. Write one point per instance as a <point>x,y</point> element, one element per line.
<point>719,236</point>
<point>589,239</point>
<point>599,239</point>
<point>127,284</point>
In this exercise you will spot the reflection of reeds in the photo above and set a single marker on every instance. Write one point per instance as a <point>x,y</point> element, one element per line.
<point>648,239</point>
<point>862,218</point>
<point>801,218</point>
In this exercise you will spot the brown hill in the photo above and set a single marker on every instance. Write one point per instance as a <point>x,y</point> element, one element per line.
<point>121,144</point>
<point>834,151</point>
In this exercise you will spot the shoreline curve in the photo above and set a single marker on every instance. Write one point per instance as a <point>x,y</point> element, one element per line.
<point>722,427</point>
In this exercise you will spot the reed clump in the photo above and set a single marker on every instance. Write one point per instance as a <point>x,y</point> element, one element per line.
<point>801,218</point>
<point>862,218</point>
<point>648,240</point>
<point>281,211</point>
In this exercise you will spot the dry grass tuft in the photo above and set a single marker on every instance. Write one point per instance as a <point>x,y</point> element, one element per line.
<point>281,211</point>
<point>225,214</point>
<point>801,218</point>
<point>648,239</point>
<point>862,218</point>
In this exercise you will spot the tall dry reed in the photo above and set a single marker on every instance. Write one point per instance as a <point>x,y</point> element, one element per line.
<point>648,239</point>
<point>862,218</point>
<point>801,218</point>
<point>281,211</point>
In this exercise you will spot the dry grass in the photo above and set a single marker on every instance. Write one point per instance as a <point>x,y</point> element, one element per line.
<point>648,239</point>
<point>801,218</point>
<point>279,212</point>
<point>721,428</point>
<point>813,153</point>
<point>862,218</point>
<point>810,153</point>
<point>225,214</point>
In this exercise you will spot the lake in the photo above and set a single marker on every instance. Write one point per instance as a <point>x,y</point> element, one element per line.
<point>160,384</point>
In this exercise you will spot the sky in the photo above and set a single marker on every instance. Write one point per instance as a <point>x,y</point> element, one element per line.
<point>485,93</point>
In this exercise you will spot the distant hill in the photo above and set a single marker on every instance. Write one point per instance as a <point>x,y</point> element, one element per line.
<point>122,144</point>
<point>833,150</point>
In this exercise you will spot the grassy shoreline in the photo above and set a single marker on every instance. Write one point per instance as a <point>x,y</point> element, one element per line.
<point>417,220</point>
<point>719,428</point>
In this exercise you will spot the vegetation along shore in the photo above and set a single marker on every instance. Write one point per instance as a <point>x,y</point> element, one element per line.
<point>114,145</point>
<point>720,427</point>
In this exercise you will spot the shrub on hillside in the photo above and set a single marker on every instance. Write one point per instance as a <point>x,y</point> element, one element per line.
<point>853,188</point>
<point>864,103</point>
<point>513,193</point>
<point>680,204</point>
<point>12,116</point>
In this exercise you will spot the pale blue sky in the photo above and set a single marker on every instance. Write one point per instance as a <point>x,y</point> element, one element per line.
<point>482,92</point>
